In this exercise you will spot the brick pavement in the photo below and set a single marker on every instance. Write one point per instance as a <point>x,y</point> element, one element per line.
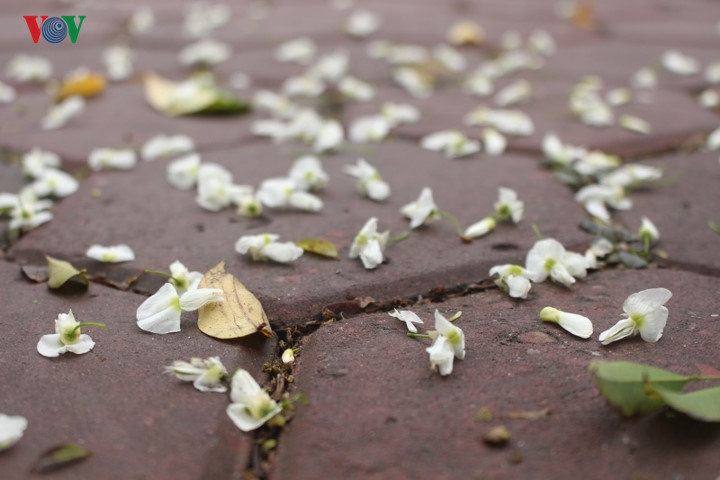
<point>375,409</point>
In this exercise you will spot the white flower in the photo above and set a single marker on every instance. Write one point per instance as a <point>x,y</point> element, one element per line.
<point>206,52</point>
<point>67,338</point>
<point>631,175</point>
<point>369,182</point>
<point>36,161</point>
<point>329,137</point>
<point>206,374</point>
<point>648,231</point>
<point>61,113</point>
<point>53,182</point>
<point>247,204</point>
<point>452,142</point>
<point>202,18</point>
<point>679,63</point>
<point>299,50</point>
<point>403,54</point>
<point>421,210</point>
<point>478,83</point>
<point>26,211</point>
<point>331,67</point>
<point>410,318</point>
<point>7,93</point>
<point>516,92</point>
<point>113,254</point>
<point>595,197</point>
<point>303,86</point>
<point>308,174</point>
<point>118,62</point>
<point>369,245</point>
<point>275,104</point>
<point>542,42</point>
<point>494,141</point>
<point>251,406</point>
<point>448,343</point>
<point>264,247</point>
<point>645,315</point>
<point>166,146</point>
<point>288,356</point>
<point>356,89</point>
<point>599,248</point>
<point>549,258</point>
<point>644,78</point>
<point>709,98</point>
<point>214,187</point>
<point>397,113</point>
<point>450,58</point>
<point>481,228</point>
<point>510,122</point>
<point>593,162</point>
<point>618,96</point>
<point>183,172</point>
<point>578,325</point>
<point>141,20</point>
<point>513,279</point>
<point>634,124</point>
<point>369,129</point>
<point>182,278</point>
<point>11,430</point>
<point>508,207</point>
<point>161,312</point>
<point>362,23</point>
<point>414,82</point>
<point>284,193</point>
<point>111,158</point>
<point>305,125</point>
<point>28,68</point>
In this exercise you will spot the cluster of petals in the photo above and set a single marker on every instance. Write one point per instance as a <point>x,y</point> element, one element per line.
<point>205,373</point>
<point>67,338</point>
<point>264,247</point>
<point>369,245</point>
<point>251,406</point>
<point>369,180</point>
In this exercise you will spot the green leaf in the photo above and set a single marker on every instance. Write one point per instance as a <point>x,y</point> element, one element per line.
<point>60,456</point>
<point>317,246</point>
<point>701,405</point>
<point>225,104</point>
<point>622,385</point>
<point>60,271</point>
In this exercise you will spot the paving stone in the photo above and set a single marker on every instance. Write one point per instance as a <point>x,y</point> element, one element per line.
<point>617,61</point>
<point>548,109</point>
<point>701,31</point>
<point>11,178</point>
<point>176,228</point>
<point>115,400</point>
<point>375,410</point>
<point>118,118</point>
<point>681,210</point>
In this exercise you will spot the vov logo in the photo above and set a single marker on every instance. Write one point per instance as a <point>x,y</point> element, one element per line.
<point>54,29</point>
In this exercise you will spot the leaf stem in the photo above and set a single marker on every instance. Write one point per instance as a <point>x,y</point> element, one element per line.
<point>399,238</point>
<point>87,324</point>
<point>537,231</point>
<point>418,335</point>
<point>714,226</point>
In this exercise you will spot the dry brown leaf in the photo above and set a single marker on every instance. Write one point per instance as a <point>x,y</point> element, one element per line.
<point>86,85</point>
<point>529,415</point>
<point>238,315</point>
<point>583,16</point>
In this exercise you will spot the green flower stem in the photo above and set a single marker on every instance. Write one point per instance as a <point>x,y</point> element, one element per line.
<point>158,272</point>
<point>646,242</point>
<point>456,224</point>
<point>87,324</point>
<point>399,238</point>
<point>418,335</point>
<point>537,231</point>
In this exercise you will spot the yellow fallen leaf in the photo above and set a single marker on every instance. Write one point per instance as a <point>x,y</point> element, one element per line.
<point>320,247</point>
<point>238,315</point>
<point>60,271</point>
<point>196,95</point>
<point>583,16</point>
<point>86,84</point>
<point>466,32</point>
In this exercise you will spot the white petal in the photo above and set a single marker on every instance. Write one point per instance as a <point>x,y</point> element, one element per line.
<point>624,328</point>
<point>50,345</point>
<point>576,324</point>
<point>408,317</point>
<point>646,301</point>
<point>377,190</point>
<point>83,345</point>
<point>441,355</point>
<point>196,298</point>
<point>653,325</point>
<point>560,274</point>
<point>282,252</point>
<point>11,430</point>
<point>518,286</point>
<point>305,201</point>
<point>242,419</point>
<point>371,255</point>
